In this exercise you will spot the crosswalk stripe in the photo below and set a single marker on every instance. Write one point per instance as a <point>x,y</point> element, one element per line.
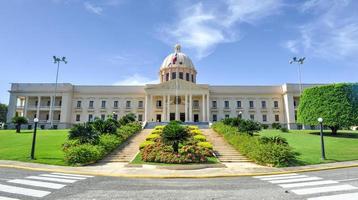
<point>61,176</point>
<point>296,180</point>
<point>75,175</point>
<point>277,175</point>
<point>51,179</point>
<point>315,190</point>
<point>23,191</point>
<point>303,184</point>
<point>347,196</point>
<point>7,198</point>
<point>37,183</point>
<point>286,177</point>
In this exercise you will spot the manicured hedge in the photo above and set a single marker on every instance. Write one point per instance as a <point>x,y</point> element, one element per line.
<point>276,154</point>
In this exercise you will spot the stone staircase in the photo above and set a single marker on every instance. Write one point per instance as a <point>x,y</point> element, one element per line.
<point>223,150</point>
<point>201,125</point>
<point>128,150</point>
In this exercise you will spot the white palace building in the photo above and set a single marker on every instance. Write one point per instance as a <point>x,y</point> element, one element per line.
<point>177,97</point>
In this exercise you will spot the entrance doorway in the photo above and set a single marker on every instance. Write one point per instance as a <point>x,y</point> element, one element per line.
<point>172,116</point>
<point>159,118</point>
<point>196,117</point>
<point>182,117</point>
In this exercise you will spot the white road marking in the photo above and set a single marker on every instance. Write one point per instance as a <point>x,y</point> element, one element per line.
<point>348,196</point>
<point>297,180</point>
<point>37,183</point>
<point>303,184</point>
<point>51,179</point>
<point>315,190</point>
<point>60,176</point>
<point>23,191</point>
<point>75,175</point>
<point>351,179</point>
<point>282,178</point>
<point>7,198</point>
<point>278,175</point>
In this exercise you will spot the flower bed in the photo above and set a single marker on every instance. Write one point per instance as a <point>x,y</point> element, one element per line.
<point>160,146</point>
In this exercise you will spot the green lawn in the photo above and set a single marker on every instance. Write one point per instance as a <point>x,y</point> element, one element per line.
<point>17,146</point>
<point>342,147</point>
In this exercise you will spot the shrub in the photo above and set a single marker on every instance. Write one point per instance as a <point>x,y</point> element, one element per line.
<point>284,129</point>
<point>109,142</point>
<point>19,121</point>
<point>196,132</point>
<point>128,130</point>
<point>276,125</point>
<point>274,139</point>
<point>145,143</point>
<point>152,137</point>
<point>108,126</point>
<point>83,154</point>
<point>126,119</point>
<point>249,127</point>
<point>173,134</point>
<point>205,145</point>
<point>70,143</point>
<point>193,128</point>
<point>199,138</point>
<point>159,128</point>
<point>159,132</point>
<point>85,133</point>
<point>264,126</point>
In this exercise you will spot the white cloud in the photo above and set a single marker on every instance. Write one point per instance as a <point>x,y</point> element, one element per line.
<point>202,27</point>
<point>93,8</point>
<point>136,79</point>
<point>332,34</point>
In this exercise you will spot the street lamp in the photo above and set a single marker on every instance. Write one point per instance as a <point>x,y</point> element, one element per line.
<point>36,120</point>
<point>56,60</point>
<point>320,120</point>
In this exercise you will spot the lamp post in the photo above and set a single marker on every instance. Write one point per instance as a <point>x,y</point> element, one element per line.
<point>320,120</point>
<point>36,120</point>
<point>56,60</point>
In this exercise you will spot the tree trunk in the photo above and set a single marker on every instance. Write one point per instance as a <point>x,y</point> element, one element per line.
<point>334,130</point>
<point>176,147</point>
<point>18,126</point>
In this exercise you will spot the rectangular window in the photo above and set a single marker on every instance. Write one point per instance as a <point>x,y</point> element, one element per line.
<point>128,104</point>
<point>227,104</point>
<point>295,115</point>
<point>140,117</point>
<point>115,116</point>
<point>103,104</point>
<point>238,104</point>
<point>167,77</point>
<point>227,116</point>
<point>181,75</point>
<point>79,104</point>
<point>174,75</point>
<point>187,76</point>
<point>78,118</point>
<point>252,117</point>
<point>215,118</point>
<point>192,78</point>
<point>115,104</point>
<point>90,117</point>
<point>48,103</point>
<point>275,104</point>
<point>277,118</point>
<point>60,103</point>
<point>140,104</point>
<point>214,104</point>
<point>159,104</point>
<point>196,103</point>
<point>103,117</point>
<point>251,104</point>
<point>59,117</point>
<point>90,104</point>
<point>47,117</point>
<point>295,103</point>
<point>263,104</point>
<point>36,103</point>
<point>264,118</point>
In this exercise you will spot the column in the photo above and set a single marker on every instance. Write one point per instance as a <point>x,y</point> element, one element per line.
<point>289,111</point>
<point>146,108</point>
<point>176,108</point>
<point>150,111</point>
<point>26,106</point>
<point>38,107</point>
<point>168,108</point>
<point>12,107</point>
<point>190,107</point>
<point>203,107</point>
<point>207,108</point>
<point>186,107</point>
<point>163,108</point>
<point>51,109</point>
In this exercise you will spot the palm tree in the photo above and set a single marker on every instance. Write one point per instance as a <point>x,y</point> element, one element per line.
<point>173,134</point>
<point>18,121</point>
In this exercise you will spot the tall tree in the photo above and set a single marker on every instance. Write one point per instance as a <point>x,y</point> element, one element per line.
<point>3,112</point>
<point>337,104</point>
<point>18,120</point>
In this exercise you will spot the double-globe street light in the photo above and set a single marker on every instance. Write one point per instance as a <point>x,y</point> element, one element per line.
<point>57,61</point>
<point>320,120</point>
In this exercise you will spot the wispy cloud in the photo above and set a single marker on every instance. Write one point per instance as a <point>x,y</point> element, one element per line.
<point>93,8</point>
<point>136,79</point>
<point>202,26</point>
<point>333,34</point>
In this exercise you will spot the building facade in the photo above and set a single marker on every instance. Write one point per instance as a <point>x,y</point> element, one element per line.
<point>177,97</point>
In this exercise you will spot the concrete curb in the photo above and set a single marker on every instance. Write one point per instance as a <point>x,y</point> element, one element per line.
<point>176,176</point>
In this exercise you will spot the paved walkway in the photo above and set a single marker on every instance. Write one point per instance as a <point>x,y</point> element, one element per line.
<point>223,150</point>
<point>128,150</point>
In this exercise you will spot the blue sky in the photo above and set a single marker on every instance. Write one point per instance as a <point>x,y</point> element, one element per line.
<point>231,42</point>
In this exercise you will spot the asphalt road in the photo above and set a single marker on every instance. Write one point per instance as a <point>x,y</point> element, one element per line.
<point>24,184</point>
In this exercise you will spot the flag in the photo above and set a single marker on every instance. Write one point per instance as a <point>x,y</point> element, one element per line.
<point>174,59</point>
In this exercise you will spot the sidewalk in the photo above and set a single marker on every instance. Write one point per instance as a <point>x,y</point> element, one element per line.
<point>151,171</point>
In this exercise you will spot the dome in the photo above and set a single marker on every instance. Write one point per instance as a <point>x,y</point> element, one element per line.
<point>177,59</point>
